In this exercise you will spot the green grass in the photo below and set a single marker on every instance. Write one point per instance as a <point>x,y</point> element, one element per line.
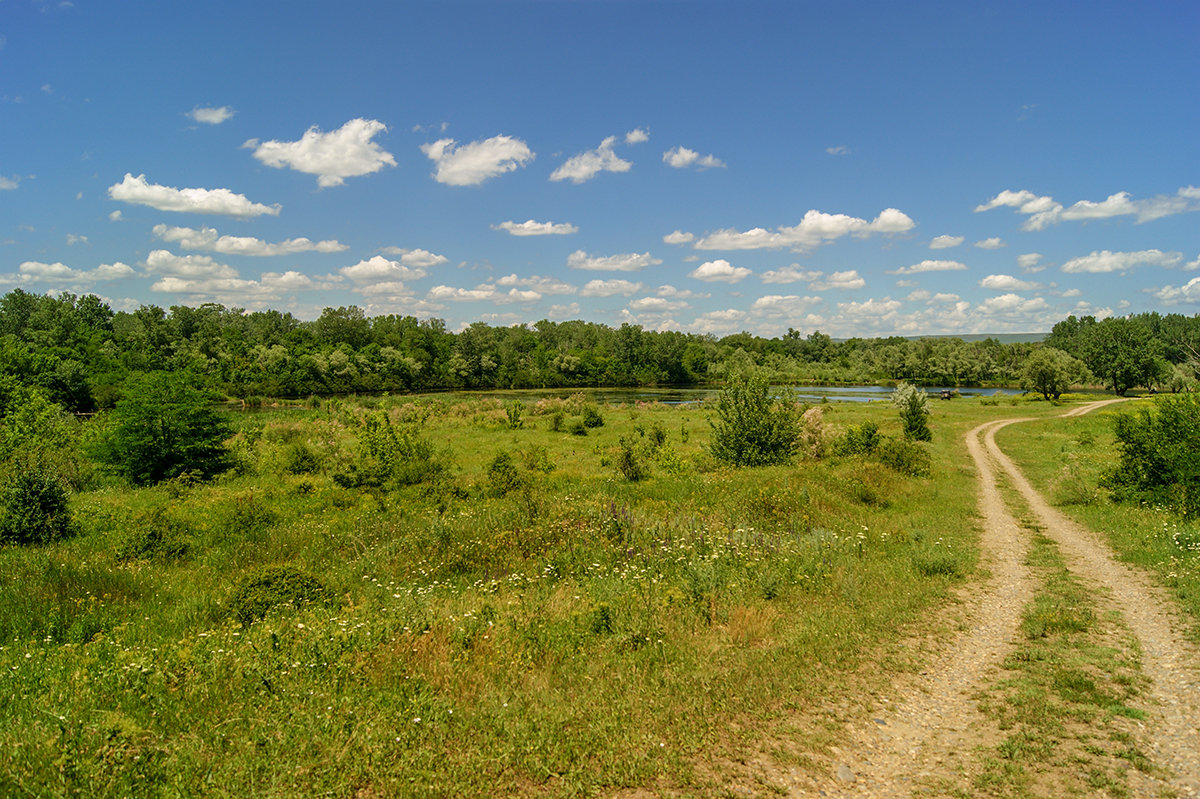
<point>580,633</point>
<point>1065,703</point>
<point>1065,459</point>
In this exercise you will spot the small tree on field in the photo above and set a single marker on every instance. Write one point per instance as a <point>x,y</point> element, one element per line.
<point>752,428</point>
<point>165,427</point>
<point>1160,454</point>
<point>914,411</point>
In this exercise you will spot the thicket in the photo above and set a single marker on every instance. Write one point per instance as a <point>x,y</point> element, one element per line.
<point>752,427</point>
<point>1160,454</point>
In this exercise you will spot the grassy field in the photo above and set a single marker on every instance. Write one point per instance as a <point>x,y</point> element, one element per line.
<point>543,626</point>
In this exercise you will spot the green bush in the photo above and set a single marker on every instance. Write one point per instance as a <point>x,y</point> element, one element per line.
<point>905,456</point>
<point>390,455</point>
<point>156,534</point>
<point>33,507</point>
<point>859,439</point>
<point>299,458</point>
<point>274,586</point>
<point>631,463</point>
<point>914,411</point>
<point>592,417</point>
<point>503,476</point>
<point>752,428</point>
<point>1160,454</point>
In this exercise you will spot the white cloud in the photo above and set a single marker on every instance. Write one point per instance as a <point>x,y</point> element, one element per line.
<point>1106,261</point>
<point>461,295</point>
<point>609,288</point>
<point>791,274</point>
<point>568,311</point>
<point>636,136</point>
<point>993,243</point>
<point>876,310</point>
<point>344,153</point>
<point>163,262</point>
<point>137,191</point>
<point>418,258</point>
<point>1072,293</point>
<point>656,305</point>
<point>918,295</point>
<point>585,166</point>
<point>679,237</point>
<point>670,292</point>
<point>840,149</point>
<point>1012,304</point>
<point>945,242</point>
<point>116,215</point>
<point>1174,295</point>
<point>1044,211</point>
<point>719,271</point>
<point>1007,283</point>
<point>944,297</point>
<point>929,266</point>
<point>542,285</point>
<point>682,158</point>
<point>625,262</point>
<point>778,305</point>
<point>208,239</point>
<point>839,280</point>
<point>472,164</point>
<point>8,184</point>
<point>58,272</point>
<point>73,239</point>
<point>378,269</point>
<point>814,229</point>
<point>1190,265</point>
<point>725,321</point>
<point>1029,262</point>
<point>531,228</point>
<point>211,116</point>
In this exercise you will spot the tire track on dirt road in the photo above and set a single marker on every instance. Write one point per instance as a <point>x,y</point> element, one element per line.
<point>934,725</point>
<point>1169,659</point>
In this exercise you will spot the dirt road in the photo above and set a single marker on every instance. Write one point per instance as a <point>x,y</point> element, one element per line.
<point>926,738</point>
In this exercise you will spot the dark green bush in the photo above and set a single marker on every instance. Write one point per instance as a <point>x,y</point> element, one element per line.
<point>592,417</point>
<point>631,463</point>
<point>752,428</point>
<point>914,411</point>
<point>275,586</point>
<point>33,507</point>
<point>859,439</point>
<point>1160,454</point>
<point>299,458</point>
<point>390,454</point>
<point>503,475</point>
<point>905,456</point>
<point>156,534</point>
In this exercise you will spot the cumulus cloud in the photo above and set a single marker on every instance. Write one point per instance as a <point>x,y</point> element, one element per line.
<point>724,321</point>
<point>625,262</point>
<point>814,229</point>
<point>609,288</point>
<point>719,271</point>
<point>483,293</point>
<point>531,228</point>
<point>1105,261</point>
<point>208,239</point>
<point>472,164</point>
<point>346,152</point>
<point>1044,211</point>
<point>585,166</point>
<point>57,272</point>
<point>1007,283</point>
<point>929,266</point>
<point>1175,295</point>
<point>636,136</point>
<point>568,311</point>
<point>839,149</point>
<point>1029,262</point>
<point>945,242</point>
<point>671,292</point>
<point>783,305</point>
<point>137,191</point>
<point>682,158</point>
<point>8,184</point>
<point>418,258</point>
<point>542,285</point>
<point>378,269</point>
<point>211,116</point>
<point>164,262</point>
<point>656,305</point>
<point>993,243</point>
<point>116,216</point>
<point>839,280</point>
<point>791,274</point>
<point>679,237</point>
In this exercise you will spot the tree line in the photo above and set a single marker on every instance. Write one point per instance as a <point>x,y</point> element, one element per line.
<point>80,353</point>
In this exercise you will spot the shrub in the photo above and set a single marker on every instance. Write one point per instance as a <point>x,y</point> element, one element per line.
<point>503,475</point>
<point>577,428</point>
<point>513,413</point>
<point>752,428</point>
<point>1160,454</point>
<point>33,507</point>
<point>537,459</point>
<point>592,417</point>
<point>859,439</point>
<point>556,421</point>
<point>631,463</point>
<point>811,442</point>
<point>274,586</point>
<point>165,426</point>
<point>154,535</point>
<point>905,456</point>
<point>299,458</point>
<point>914,411</point>
<point>390,454</point>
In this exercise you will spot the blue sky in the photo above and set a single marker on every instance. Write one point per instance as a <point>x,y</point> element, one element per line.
<point>859,168</point>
